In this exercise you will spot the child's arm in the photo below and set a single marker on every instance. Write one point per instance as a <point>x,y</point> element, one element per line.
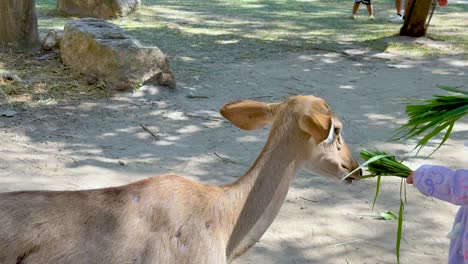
<point>442,183</point>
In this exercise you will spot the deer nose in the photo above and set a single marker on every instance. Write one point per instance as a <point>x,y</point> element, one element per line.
<point>358,174</point>
<point>351,167</point>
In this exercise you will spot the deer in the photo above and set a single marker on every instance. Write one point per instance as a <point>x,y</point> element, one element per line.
<point>172,219</point>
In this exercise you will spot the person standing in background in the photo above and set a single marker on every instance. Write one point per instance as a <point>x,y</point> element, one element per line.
<point>370,8</point>
<point>398,18</point>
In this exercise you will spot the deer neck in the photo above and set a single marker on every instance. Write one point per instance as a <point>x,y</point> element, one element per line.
<point>258,195</point>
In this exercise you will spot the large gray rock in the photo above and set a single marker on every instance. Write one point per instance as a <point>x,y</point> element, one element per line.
<point>97,8</point>
<point>102,50</point>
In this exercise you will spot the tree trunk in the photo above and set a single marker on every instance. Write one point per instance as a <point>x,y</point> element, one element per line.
<point>416,13</point>
<point>18,25</point>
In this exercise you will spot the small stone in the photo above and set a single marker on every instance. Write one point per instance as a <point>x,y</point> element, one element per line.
<point>48,56</point>
<point>9,76</point>
<point>9,113</point>
<point>52,40</point>
<point>121,163</point>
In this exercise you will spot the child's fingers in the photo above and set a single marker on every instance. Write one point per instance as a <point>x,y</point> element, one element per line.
<point>409,180</point>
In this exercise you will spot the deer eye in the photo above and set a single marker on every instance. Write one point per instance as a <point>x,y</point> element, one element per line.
<point>337,130</point>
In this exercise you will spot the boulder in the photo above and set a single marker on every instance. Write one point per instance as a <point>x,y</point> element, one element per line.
<point>97,8</point>
<point>101,50</point>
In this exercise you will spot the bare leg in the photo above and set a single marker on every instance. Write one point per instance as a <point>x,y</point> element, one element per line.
<point>355,8</point>
<point>398,6</point>
<point>406,5</point>
<point>370,9</point>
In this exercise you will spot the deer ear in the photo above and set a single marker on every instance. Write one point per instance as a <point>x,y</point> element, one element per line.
<point>249,115</point>
<point>318,126</point>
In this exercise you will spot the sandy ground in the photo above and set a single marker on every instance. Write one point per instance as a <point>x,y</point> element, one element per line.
<point>90,144</point>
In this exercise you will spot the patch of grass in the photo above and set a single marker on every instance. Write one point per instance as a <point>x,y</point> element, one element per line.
<point>45,80</point>
<point>310,23</point>
<point>412,49</point>
<point>273,24</point>
<point>450,24</point>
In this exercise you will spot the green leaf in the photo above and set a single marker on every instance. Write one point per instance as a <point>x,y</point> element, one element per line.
<point>426,138</point>
<point>399,231</point>
<point>452,89</point>
<point>377,190</point>
<point>364,165</point>
<point>389,215</point>
<point>380,164</point>
<point>428,118</point>
<point>447,134</point>
<point>404,190</point>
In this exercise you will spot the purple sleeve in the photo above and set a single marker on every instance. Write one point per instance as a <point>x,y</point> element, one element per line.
<point>442,183</point>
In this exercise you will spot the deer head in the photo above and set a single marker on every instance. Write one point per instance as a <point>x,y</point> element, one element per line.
<point>325,151</point>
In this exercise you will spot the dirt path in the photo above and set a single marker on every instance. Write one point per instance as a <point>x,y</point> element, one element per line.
<point>93,144</point>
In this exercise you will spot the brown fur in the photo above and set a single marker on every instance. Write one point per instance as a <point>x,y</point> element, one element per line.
<point>168,218</point>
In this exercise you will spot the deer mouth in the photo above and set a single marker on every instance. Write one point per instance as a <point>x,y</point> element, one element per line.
<point>353,177</point>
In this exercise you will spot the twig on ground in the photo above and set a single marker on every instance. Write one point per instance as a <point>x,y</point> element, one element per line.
<point>225,159</point>
<point>261,97</point>
<point>197,96</point>
<point>13,124</point>
<point>344,243</point>
<point>309,200</point>
<point>4,94</point>
<point>34,119</point>
<point>156,136</point>
<point>201,117</point>
<point>6,75</point>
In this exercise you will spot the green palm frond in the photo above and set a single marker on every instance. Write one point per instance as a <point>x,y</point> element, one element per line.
<point>381,164</point>
<point>387,165</point>
<point>428,118</point>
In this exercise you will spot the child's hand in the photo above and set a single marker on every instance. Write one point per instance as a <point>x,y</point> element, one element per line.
<point>409,180</point>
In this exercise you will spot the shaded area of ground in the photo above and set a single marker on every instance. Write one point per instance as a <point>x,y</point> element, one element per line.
<point>96,143</point>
